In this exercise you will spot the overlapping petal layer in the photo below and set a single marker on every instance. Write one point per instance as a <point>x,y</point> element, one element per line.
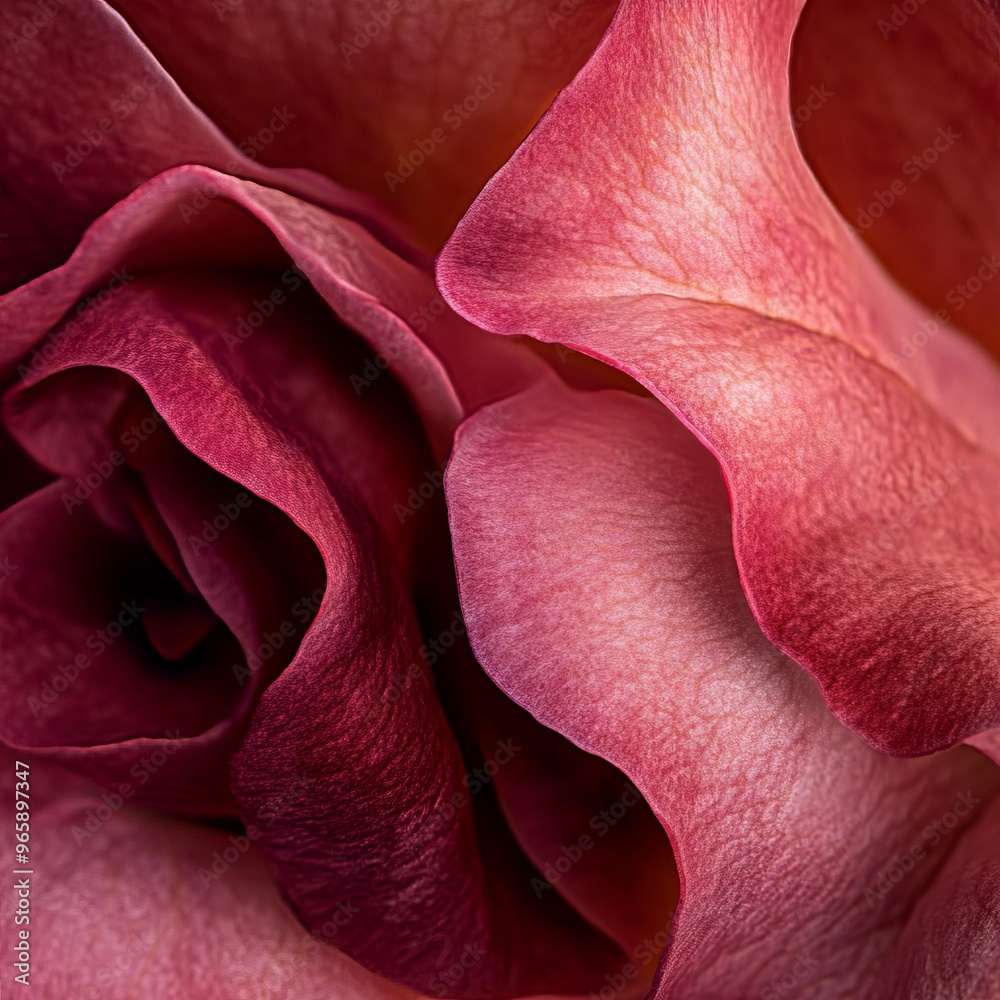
<point>951,943</point>
<point>446,365</point>
<point>89,115</point>
<point>592,541</point>
<point>341,808</point>
<point>416,102</point>
<point>135,904</point>
<point>906,140</point>
<point>687,243</point>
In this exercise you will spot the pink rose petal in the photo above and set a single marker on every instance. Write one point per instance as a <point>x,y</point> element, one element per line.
<point>128,905</point>
<point>688,244</point>
<point>367,824</point>
<point>597,575</point>
<point>91,114</point>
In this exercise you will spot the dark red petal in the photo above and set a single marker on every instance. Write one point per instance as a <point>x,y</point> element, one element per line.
<point>907,141</point>
<point>83,685</point>
<point>447,89</point>
<point>90,114</point>
<point>446,365</point>
<point>368,823</point>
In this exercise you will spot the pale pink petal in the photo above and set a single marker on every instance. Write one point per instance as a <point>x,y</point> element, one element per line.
<point>601,593</point>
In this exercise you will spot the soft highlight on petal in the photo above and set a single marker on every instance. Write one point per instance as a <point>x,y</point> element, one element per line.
<point>601,593</point>
<point>689,245</point>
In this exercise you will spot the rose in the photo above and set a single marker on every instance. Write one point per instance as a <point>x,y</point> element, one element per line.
<point>290,814</point>
<point>856,525</point>
<point>225,421</point>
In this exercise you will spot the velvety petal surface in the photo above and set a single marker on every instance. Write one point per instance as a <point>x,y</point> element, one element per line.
<point>128,906</point>
<point>600,589</point>
<point>416,102</point>
<point>447,366</point>
<point>142,595</point>
<point>688,244</point>
<point>367,823</point>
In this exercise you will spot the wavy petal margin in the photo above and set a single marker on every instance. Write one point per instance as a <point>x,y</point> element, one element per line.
<point>592,541</point>
<point>687,244</point>
<point>415,102</point>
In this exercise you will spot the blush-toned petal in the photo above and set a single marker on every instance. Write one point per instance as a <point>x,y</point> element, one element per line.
<point>689,245</point>
<point>601,592</point>
<point>447,366</point>
<point>416,104</point>
<point>589,833</point>
<point>131,903</point>
<point>906,140</point>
